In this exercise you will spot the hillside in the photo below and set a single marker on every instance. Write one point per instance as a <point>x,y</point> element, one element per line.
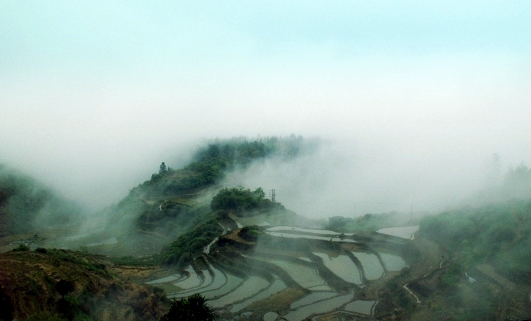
<point>174,201</point>
<point>27,205</point>
<point>487,274</point>
<point>64,285</point>
<point>187,233</point>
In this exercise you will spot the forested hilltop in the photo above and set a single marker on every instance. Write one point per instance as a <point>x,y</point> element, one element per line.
<point>210,163</point>
<point>176,203</point>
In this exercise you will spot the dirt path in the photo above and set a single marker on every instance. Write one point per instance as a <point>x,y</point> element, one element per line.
<point>431,258</point>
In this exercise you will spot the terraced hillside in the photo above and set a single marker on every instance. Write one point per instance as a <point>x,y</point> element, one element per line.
<point>291,273</point>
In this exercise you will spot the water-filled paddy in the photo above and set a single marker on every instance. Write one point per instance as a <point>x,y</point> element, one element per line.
<point>318,307</point>
<point>311,237</point>
<point>270,316</point>
<point>191,282</point>
<point>312,298</point>
<point>371,265</point>
<point>260,220</point>
<point>361,307</point>
<point>250,287</point>
<point>217,282</point>
<point>305,276</point>
<point>169,278</point>
<point>288,229</point>
<point>232,282</point>
<point>342,266</point>
<point>393,262</point>
<point>405,232</point>
<point>276,287</point>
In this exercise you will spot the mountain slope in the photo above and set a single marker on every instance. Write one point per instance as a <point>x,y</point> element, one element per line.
<point>26,205</point>
<point>71,285</point>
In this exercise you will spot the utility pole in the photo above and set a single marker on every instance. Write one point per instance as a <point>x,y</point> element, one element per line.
<point>272,193</point>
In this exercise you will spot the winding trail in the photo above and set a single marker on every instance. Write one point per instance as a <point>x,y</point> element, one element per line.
<point>410,292</point>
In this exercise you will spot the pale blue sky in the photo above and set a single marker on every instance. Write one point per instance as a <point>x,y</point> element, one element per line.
<point>100,92</point>
<point>114,36</point>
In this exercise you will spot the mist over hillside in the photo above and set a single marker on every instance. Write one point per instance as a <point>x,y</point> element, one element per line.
<point>27,205</point>
<point>318,178</point>
<point>217,213</point>
<point>256,152</point>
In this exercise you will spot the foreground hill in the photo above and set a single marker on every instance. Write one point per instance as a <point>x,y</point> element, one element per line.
<point>64,285</point>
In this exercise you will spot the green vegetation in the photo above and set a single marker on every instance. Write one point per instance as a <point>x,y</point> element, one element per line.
<point>499,234</point>
<point>250,233</point>
<point>240,200</point>
<point>367,222</point>
<point>25,204</point>
<point>66,285</point>
<point>211,163</point>
<point>191,244</point>
<point>193,308</point>
<point>171,200</point>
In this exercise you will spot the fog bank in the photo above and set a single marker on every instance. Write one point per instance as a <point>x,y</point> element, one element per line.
<point>416,98</point>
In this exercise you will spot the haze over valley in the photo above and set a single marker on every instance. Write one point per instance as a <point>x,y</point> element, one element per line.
<point>282,161</point>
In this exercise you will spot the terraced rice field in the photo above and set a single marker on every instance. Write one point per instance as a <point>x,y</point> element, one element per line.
<point>301,273</point>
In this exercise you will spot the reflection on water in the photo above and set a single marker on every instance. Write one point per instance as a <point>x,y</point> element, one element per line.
<point>287,229</point>
<point>318,307</point>
<point>230,285</point>
<point>242,295</point>
<point>311,237</point>
<point>312,298</point>
<point>270,316</point>
<point>169,278</point>
<point>191,282</point>
<point>213,283</point>
<point>371,265</point>
<point>276,287</point>
<point>250,287</point>
<point>361,307</point>
<point>260,220</point>
<point>305,276</point>
<point>342,266</point>
<point>405,232</point>
<point>393,262</point>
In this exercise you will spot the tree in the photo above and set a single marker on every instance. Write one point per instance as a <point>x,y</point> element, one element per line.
<point>237,199</point>
<point>64,287</point>
<point>193,308</point>
<point>163,168</point>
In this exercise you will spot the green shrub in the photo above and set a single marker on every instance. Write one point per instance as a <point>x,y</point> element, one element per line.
<point>193,308</point>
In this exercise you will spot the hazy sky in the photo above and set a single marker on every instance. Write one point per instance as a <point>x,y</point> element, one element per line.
<point>415,95</point>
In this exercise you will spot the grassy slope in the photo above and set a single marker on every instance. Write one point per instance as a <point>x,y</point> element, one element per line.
<point>29,282</point>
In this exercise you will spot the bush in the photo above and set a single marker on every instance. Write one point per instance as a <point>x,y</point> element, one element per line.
<point>250,233</point>
<point>193,308</point>
<point>22,247</point>
<point>238,200</point>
